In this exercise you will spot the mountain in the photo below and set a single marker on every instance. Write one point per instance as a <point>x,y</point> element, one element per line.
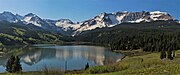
<point>19,17</point>
<point>107,35</point>
<point>67,27</point>
<point>8,16</point>
<point>35,20</point>
<point>64,24</point>
<point>112,19</point>
<point>21,34</point>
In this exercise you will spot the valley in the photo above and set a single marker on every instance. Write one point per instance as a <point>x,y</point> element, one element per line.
<point>31,29</point>
<point>98,41</point>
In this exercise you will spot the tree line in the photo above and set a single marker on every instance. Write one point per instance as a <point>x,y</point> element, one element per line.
<point>164,43</point>
<point>159,36</point>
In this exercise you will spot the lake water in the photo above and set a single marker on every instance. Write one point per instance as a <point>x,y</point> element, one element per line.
<point>39,56</point>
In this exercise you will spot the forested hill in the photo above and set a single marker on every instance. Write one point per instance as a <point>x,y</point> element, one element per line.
<point>153,36</point>
<point>19,34</point>
<point>124,36</point>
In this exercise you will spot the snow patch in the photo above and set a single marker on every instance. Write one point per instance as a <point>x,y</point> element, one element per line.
<point>119,18</point>
<point>158,12</point>
<point>28,20</point>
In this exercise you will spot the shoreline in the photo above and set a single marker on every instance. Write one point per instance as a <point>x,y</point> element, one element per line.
<point>131,53</point>
<point>81,70</point>
<point>134,62</point>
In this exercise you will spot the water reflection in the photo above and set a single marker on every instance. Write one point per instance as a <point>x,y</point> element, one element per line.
<point>34,58</point>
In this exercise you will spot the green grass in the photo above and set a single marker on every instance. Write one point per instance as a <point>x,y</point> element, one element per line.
<point>34,73</point>
<point>141,65</point>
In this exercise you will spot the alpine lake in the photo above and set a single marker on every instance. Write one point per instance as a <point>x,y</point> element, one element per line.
<point>66,57</point>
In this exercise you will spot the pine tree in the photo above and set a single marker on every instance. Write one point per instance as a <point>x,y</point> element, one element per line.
<point>17,65</point>
<point>9,64</point>
<point>174,53</point>
<point>169,54</point>
<point>87,66</point>
<point>163,55</point>
<point>13,64</point>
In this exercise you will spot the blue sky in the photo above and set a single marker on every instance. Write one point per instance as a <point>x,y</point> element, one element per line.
<point>79,10</point>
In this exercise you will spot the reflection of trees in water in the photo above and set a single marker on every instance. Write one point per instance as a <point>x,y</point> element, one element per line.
<point>31,57</point>
<point>3,61</point>
<point>99,55</point>
<point>112,57</point>
<point>7,51</point>
<point>91,53</point>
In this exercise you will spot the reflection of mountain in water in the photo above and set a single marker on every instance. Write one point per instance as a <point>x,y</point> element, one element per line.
<point>6,52</point>
<point>34,56</point>
<point>99,55</point>
<point>31,57</point>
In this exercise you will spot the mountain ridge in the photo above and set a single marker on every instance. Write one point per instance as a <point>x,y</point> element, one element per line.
<point>99,21</point>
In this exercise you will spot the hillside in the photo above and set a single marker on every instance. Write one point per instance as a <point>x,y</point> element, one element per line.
<point>129,36</point>
<point>19,34</point>
<point>103,20</point>
<point>102,29</point>
<point>128,29</point>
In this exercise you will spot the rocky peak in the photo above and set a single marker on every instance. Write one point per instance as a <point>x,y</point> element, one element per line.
<point>8,16</point>
<point>65,21</point>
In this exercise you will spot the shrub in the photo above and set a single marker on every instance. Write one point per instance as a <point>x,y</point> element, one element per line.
<point>97,69</point>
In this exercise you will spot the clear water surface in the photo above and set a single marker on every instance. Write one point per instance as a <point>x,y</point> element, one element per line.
<point>37,57</point>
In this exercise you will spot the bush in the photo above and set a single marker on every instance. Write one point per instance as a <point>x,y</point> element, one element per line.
<point>97,69</point>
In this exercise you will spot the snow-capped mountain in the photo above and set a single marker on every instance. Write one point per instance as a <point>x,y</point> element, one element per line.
<point>99,21</point>
<point>64,24</point>
<point>10,17</point>
<point>35,20</point>
<point>67,24</point>
<point>112,19</point>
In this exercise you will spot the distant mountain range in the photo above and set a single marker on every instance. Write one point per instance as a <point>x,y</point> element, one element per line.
<point>67,27</point>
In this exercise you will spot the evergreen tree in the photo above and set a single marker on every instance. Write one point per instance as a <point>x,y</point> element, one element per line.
<point>174,53</point>
<point>13,64</point>
<point>9,64</point>
<point>169,54</point>
<point>87,66</point>
<point>163,55</point>
<point>17,65</point>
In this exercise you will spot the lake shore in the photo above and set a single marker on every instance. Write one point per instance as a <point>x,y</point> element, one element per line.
<point>135,62</point>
